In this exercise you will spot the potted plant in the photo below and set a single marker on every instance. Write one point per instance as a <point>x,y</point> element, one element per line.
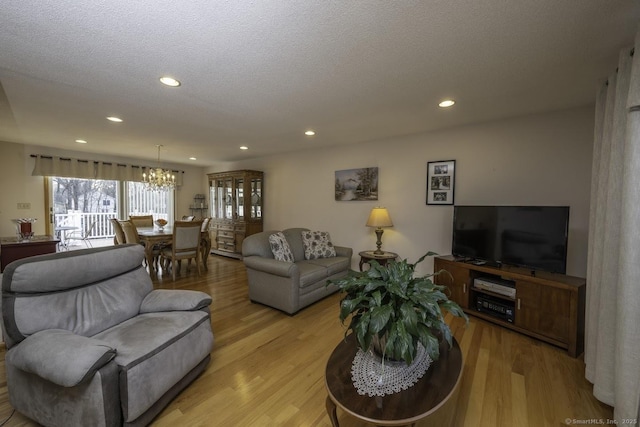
<point>392,308</point>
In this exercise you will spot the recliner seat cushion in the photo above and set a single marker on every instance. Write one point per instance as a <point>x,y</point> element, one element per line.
<point>154,352</point>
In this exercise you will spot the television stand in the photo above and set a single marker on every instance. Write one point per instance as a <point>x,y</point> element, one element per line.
<point>546,306</point>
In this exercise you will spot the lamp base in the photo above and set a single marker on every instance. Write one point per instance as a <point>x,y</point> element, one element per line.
<point>379,232</point>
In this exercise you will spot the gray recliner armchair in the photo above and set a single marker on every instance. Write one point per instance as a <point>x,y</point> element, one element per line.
<point>91,343</point>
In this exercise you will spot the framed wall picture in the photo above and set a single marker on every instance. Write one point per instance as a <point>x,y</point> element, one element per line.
<point>356,184</point>
<point>440,182</point>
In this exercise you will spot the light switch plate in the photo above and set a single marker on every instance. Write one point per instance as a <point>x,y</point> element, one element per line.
<point>24,205</point>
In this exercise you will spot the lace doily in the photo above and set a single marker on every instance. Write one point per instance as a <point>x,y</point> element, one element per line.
<point>373,378</point>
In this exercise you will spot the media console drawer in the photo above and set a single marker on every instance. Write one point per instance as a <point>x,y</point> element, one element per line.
<point>547,306</point>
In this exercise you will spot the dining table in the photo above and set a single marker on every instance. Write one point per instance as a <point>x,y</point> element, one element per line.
<point>152,236</point>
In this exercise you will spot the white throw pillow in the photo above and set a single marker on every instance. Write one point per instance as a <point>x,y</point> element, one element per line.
<point>317,244</point>
<point>280,247</point>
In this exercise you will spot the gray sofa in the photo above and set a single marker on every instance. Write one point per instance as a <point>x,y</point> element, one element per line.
<point>91,343</point>
<point>290,286</point>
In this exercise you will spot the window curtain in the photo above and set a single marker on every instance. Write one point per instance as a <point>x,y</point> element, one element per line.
<point>90,169</point>
<point>612,335</point>
<point>64,167</point>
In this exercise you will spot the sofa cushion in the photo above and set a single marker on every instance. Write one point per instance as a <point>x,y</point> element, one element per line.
<point>294,237</point>
<point>280,247</point>
<point>60,356</point>
<point>311,273</point>
<point>333,264</point>
<point>155,350</point>
<point>317,244</point>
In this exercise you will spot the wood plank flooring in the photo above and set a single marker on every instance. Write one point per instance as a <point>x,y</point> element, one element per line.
<point>267,368</point>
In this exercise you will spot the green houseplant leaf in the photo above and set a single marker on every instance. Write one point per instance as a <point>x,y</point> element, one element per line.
<point>387,304</point>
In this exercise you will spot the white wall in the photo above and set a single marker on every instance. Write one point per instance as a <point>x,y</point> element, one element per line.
<point>535,160</point>
<point>18,186</point>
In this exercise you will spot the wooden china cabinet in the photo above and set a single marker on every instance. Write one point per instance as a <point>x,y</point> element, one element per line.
<point>235,200</point>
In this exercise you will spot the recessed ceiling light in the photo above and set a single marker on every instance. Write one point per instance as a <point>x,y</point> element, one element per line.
<point>169,81</point>
<point>309,133</point>
<point>114,119</point>
<point>244,147</point>
<point>192,158</point>
<point>81,141</point>
<point>447,103</point>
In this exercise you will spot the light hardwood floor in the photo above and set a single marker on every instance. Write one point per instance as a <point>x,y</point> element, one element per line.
<point>267,368</point>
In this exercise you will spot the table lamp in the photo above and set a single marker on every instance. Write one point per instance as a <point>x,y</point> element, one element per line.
<point>379,217</point>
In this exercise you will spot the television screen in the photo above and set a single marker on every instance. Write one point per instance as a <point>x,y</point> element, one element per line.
<point>526,236</point>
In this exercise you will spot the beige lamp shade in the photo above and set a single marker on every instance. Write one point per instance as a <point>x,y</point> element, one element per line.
<point>379,217</point>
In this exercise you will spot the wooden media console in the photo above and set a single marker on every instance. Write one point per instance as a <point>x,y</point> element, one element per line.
<point>546,306</point>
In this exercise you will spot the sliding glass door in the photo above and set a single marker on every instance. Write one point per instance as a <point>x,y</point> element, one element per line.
<point>86,205</point>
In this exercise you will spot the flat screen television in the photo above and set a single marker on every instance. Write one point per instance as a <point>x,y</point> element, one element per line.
<point>526,236</point>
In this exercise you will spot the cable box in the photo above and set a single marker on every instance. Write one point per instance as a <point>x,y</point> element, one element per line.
<point>502,287</point>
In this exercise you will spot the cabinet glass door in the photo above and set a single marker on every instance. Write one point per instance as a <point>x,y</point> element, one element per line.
<point>221,199</point>
<point>239,198</point>
<point>228,198</point>
<point>256,198</point>
<point>213,200</point>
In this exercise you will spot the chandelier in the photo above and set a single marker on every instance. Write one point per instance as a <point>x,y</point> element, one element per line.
<point>159,179</point>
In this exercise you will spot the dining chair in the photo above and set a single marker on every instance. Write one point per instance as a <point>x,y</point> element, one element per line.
<point>186,244</point>
<point>82,234</point>
<point>188,217</point>
<point>130,232</point>
<point>141,220</point>
<point>205,243</point>
<point>118,238</point>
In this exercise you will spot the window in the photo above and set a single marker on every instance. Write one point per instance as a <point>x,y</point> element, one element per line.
<point>75,204</point>
<point>141,201</point>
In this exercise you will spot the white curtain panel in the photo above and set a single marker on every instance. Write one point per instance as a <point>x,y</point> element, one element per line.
<point>612,339</point>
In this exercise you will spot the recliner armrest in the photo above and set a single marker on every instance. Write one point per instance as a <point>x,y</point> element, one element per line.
<point>60,356</point>
<point>174,300</point>
<point>271,266</point>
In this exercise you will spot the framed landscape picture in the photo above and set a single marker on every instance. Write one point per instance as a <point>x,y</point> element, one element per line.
<point>440,182</point>
<point>356,184</point>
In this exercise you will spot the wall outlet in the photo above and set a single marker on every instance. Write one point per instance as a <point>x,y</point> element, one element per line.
<point>24,205</point>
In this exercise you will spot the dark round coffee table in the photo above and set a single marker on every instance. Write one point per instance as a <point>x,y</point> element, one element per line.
<point>433,396</point>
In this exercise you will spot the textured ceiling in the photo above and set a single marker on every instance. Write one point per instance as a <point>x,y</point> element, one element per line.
<point>259,73</point>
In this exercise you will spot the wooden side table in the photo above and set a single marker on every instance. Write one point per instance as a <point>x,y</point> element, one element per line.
<point>11,249</point>
<point>366,256</point>
<point>433,397</point>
